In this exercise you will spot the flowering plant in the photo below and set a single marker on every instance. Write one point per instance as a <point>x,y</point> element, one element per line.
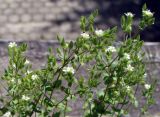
<point>113,75</point>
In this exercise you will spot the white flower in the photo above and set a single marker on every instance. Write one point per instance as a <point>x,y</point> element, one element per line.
<point>129,14</point>
<point>13,80</point>
<point>25,97</point>
<point>128,88</point>
<point>34,77</point>
<point>99,33</point>
<point>28,72</point>
<point>129,27</point>
<point>7,114</point>
<point>14,65</point>
<point>145,75</point>
<point>147,13</point>
<point>27,62</point>
<point>130,68</point>
<point>111,49</point>
<point>127,56</point>
<point>147,86</point>
<point>68,70</point>
<point>12,44</point>
<point>85,35</point>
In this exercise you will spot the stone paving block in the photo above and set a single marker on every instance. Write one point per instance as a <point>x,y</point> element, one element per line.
<point>37,4</point>
<point>61,17</point>
<point>3,18</point>
<point>66,9</point>
<point>3,6</point>
<point>65,27</point>
<point>37,18</point>
<point>13,18</point>
<point>25,18</point>
<point>25,5</point>
<point>3,31</point>
<point>32,11</point>
<point>34,36</point>
<point>48,4</point>
<point>7,12</point>
<point>13,5</point>
<point>50,17</point>
<point>48,35</point>
<point>20,11</point>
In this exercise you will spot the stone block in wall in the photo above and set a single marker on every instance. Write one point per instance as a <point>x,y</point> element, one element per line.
<point>25,5</point>
<point>20,11</point>
<point>3,18</point>
<point>37,18</point>
<point>55,12</point>
<point>7,12</point>
<point>13,5</point>
<point>25,18</point>
<point>3,6</point>
<point>13,18</point>
<point>3,31</point>
<point>50,17</point>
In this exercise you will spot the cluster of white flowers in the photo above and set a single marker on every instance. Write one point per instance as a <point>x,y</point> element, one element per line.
<point>27,62</point>
<point>7,114</point>
<point>85,35</point>
<point>12,44</point>
<point>68,70</point>
<point>147,13</point>
<point>127,56</point>
<point>147,86</point>
<point>26,98</point>
<point>99,33</point>
<point>34,77</point>
<point>129,67</point>
<point>111,49</point>
<point>129,14</point>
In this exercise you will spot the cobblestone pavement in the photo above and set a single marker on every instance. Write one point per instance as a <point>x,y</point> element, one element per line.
<point>43,19</point>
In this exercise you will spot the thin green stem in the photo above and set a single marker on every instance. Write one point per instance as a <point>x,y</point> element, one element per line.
<point>65,108</point>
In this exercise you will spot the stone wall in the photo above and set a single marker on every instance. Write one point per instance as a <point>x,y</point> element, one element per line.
<point>43,19</point>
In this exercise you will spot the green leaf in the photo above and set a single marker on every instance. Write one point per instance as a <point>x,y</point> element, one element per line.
<point>48,88</point>
<point>144,7</point>
<point>61,40</point>
<point>57,114</point>
<point>48,102</point>
<point>83,23</point>
<point>3,110</point>
<point>116,109</point>
<point>23,47</point>
<point>71,45</point>
<point>123,22</point>
<point>57,83</point>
